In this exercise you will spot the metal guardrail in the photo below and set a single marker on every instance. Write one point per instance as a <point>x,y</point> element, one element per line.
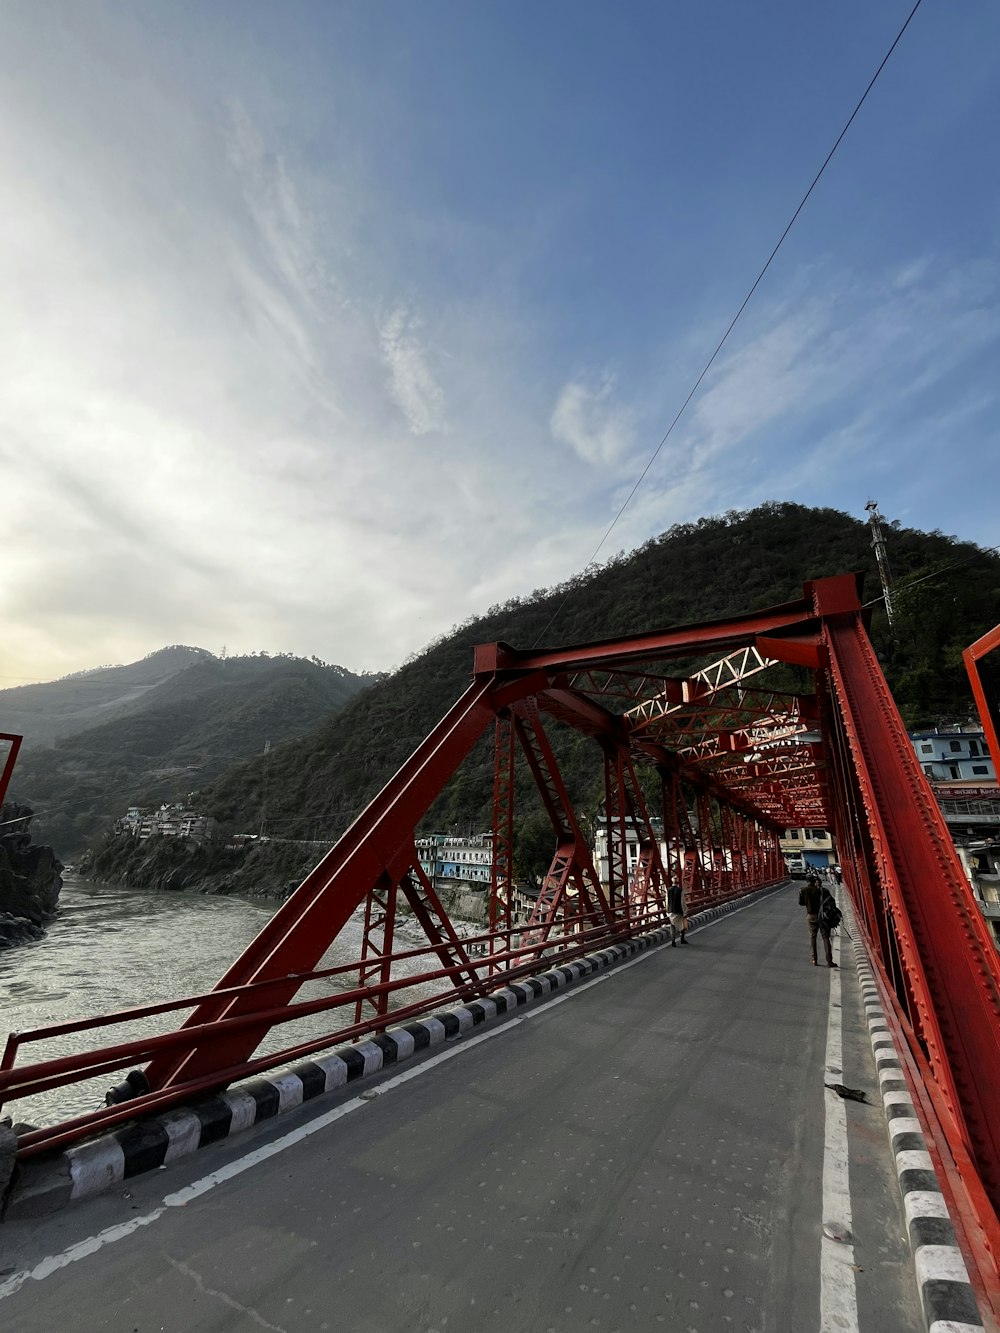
<point>495,958</point>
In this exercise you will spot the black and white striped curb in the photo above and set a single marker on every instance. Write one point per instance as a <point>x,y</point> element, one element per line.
<point>947,1296</point>
<point>45,1184</point>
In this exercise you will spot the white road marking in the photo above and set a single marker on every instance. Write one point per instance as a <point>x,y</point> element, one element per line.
<point>181,1198</point>
<point>80,1250</point>
<point>838,1300</point>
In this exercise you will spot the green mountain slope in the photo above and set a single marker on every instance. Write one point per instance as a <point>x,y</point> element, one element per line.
<point>182,733</point>
<point>716,567</point>
<point>41,713</point>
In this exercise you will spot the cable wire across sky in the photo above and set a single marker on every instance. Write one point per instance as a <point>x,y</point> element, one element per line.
<point>735,319</point>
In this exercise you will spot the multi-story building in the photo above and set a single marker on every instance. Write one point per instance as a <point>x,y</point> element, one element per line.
<point>448,858</point>
<point>808,848</point>
<point>954,754</point>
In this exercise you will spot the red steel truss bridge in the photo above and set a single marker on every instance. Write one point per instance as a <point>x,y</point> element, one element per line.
<point>725,761</point>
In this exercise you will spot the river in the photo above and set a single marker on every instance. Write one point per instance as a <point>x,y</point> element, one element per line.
<point>112,948</point>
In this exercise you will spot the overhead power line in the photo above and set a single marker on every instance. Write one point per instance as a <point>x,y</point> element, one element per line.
<point>743,305</point>
<point>936,573</point>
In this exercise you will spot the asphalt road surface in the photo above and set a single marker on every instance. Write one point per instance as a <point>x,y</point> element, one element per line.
<point>644,1152</point>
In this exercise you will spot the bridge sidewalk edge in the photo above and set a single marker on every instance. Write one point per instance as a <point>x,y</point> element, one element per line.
<point>947,1296</point>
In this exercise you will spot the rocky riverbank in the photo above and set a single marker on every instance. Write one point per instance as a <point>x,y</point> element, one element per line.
<point>271,869</point>
<point>30,879</point>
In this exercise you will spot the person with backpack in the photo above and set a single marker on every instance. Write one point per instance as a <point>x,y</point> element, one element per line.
<point>678,916</point>
<point>818,900</point>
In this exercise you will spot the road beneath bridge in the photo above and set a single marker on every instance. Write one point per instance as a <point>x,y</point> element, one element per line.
<point>645,1151</point>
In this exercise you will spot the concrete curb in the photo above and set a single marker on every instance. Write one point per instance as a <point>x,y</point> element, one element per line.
<point>946,1294</point>
<point>45,1184</point>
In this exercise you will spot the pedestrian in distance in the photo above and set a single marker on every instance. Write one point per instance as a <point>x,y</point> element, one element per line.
<point>678,919</point>
<point>812,896</point>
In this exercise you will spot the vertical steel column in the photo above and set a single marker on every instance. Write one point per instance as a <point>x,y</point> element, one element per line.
<point>650,869</point>
<point>502,875</point>
<point>616,823</point>
<point>376,945</point>
<point>672,796</point>
<point>972,656</point>
<point>703,811</point>
<point>572,860</point>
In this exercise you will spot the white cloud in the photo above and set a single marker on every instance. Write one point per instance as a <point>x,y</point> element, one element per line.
<point>412,384</point>
<point>849,349</point>
<point>587,419</point>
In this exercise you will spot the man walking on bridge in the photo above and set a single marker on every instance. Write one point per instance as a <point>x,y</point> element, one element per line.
<point>678,921</point>
<point>811,897</point>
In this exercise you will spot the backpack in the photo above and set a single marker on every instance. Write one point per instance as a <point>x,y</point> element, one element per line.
<point>830,915</point>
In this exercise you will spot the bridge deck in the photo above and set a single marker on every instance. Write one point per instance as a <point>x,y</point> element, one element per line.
<point>645,1152</point>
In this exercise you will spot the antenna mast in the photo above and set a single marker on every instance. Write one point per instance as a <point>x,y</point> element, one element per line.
<point>881,556</point>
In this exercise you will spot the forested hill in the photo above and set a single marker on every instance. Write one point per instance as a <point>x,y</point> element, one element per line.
<point>45,711</point>
<point>696,571</point>
<point>172,739</point>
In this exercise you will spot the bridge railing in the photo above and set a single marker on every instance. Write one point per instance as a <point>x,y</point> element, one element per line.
<point>414,987</point>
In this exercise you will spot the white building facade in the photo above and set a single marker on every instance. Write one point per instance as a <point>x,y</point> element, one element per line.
<point>954,755</point>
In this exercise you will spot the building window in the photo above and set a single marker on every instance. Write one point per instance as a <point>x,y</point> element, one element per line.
<point>955,746</point>
<point>980,768</point>
<point>927,749</point>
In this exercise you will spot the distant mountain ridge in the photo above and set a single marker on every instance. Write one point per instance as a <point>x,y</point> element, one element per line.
<point>160,729</point>
<point>44,711</point>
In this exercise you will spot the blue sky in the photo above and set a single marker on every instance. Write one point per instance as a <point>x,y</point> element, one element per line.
<point>327,325</point>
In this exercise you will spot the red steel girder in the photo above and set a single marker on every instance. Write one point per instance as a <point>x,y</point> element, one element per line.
<point>11,760</point>
<point>618,817</point>
<point>683,641</point>
<point>502,874</point>
<point>703,686</point>
<point>972,656</point>
<point>299,933</point>
<point>951,966</point>
<point>572,861</point>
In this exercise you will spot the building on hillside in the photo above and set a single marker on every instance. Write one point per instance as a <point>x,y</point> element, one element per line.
<point>445,858</point>
<point>954,754</point>
<point>168,821</point>
<point>807,848</point>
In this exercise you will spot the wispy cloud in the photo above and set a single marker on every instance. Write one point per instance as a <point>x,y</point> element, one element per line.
<point>587,418</point>
<point>411,382</point>
<point>872,347</point>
